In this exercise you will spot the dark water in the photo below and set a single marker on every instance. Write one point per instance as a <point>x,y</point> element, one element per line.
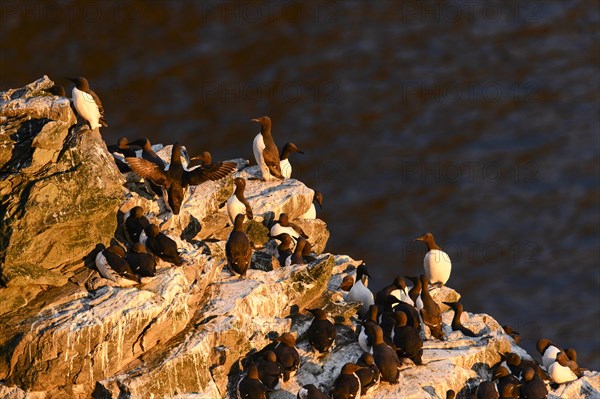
<point>475,121</point>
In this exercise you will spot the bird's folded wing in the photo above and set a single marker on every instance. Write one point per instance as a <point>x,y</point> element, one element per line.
<point>213,171</point>
<point>147,170</point>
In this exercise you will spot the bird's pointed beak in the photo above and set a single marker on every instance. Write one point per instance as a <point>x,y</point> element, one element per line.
<point>300,152</point>
<point>254,120</point>
<point>422,238</point>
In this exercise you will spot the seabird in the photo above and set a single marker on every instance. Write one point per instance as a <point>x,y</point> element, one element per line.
<point>414,319</point>
<point>321,332</point>
<point>359,291</point>
<point>509,390</point>
<point>176,179</point>
<point>533,385</point>
<point>296,258</point>
<point>367,334</point>
<point>283,225</point>
<point>368,374</point>
<point>312,211</point>
<point>142,262</point>
<point>237,203</point>
<point>504,377</point>
<point>513,334</point>
<point>347,385</point>
<point>415,292</point>
<point>487,390</point>
<point>238,248</point>
<point>517,364</point>
<point>87,103</point>
<point>287,355</point>
<point>269,371</point>
<point>407,340</point>
<point>456,323</point>
<point>250,386</point>
<point>162,246</point>
<point>112,266</point>
<point>310,391</point>
<point>135,223</point>
<point>265,151</point>
<point>121,150</point>
<point>450,394</point>
<point>205,158</point>
<point>284,162</point>
<point>431,313</point>
<point>436,262</point>
<point>385,358</point>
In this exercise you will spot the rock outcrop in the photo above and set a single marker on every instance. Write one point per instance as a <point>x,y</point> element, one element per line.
<point>67,332</point>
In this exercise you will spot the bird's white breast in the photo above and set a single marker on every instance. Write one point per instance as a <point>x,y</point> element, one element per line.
<point>257,147</point>
<point>278,229</point>
<point>311,213</point>
<point>437,266</point>
<point>235,207</point>
<point>561,374</point>
<point>86,107</point>
<point>360,293</point>
<point>549,356</point>
<point>286,168</point>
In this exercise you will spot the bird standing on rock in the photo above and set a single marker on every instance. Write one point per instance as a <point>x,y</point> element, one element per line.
<point>250,386</point>
<point>359,291</point>
<point>176,179</point>
<point>559,371</point>
<point>548,350</point>
<point>386,358</point>
<point>347,385</point>
<point>296,258</point>
<point>141,262</point>
<point>431,312</point>
<point>265,151</point>
<point>238,248</point>
<point>284,162</point>
<point>287,355</point>
<point>87,103</point>
<point>407,340</point>
<point>135,223</point>
<point>436,262</point>
<point>162,246</point>
<point>368,374</point>
<point>112,265</point>
<point>237,203</point>
<point>533,385</point>
<point>487,390</point>
<point>321,333</point>
<point>269,371</point>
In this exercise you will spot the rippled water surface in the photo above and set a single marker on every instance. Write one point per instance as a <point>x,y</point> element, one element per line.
<point>475,121</point>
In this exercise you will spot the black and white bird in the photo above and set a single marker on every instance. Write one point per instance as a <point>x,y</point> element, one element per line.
<point>312,211</point>
<point>237,203</point>
<point>347,385</point>
<point>112,265</point>
<point>265,151</point>
<point>287,355</point>
<point>175,180</point>
<point>436,262</point>
<point>238,248</point>
<point>321,332</point>
<point>284,162</point>
<point>135,224</point>
<point>141,261</point>
<point>360,291</point>
<point>456,323</point>
<point>386,358</point>
<point>250,387</point>
<point>87,103</point>
<point>162,245</point>
<point>368,374</point>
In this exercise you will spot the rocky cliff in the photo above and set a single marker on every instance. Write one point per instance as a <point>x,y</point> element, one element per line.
<point>68,333</point>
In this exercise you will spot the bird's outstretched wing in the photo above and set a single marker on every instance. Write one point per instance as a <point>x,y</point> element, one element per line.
<point>148,170</point>
<point>214,171</point>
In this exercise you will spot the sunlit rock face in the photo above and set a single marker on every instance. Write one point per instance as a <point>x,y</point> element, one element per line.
<point>66,332</point>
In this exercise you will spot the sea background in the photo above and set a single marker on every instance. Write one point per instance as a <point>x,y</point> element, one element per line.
<point>476,121</point>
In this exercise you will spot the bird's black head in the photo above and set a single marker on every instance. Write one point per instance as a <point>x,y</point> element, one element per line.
<point>80,82</point>
<point>265,123</point>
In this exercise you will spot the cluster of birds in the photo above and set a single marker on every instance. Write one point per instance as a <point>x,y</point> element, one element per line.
<point>394,321</point>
